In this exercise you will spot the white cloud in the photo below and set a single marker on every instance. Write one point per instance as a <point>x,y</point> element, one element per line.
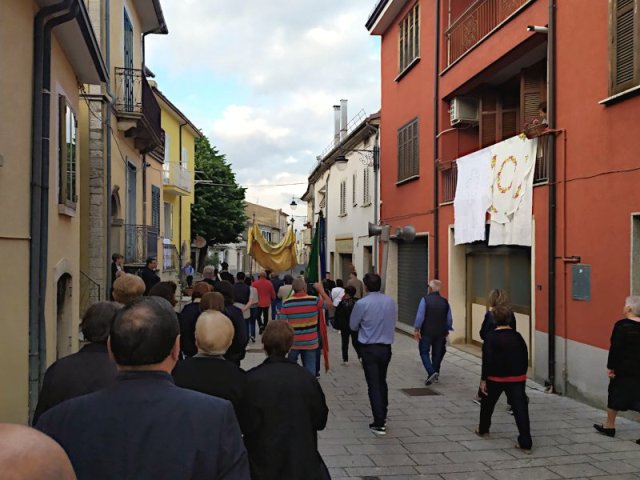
<point>289,62</point>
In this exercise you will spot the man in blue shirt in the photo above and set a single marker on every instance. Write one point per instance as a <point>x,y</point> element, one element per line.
<point>432,325</point>
<point>374,318</point>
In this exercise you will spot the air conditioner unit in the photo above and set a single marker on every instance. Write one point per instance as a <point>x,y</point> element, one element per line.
<point>463,111</point>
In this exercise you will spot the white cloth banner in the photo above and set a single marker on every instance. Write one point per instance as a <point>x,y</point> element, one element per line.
<point>473,196</point>
<point>511,206</point>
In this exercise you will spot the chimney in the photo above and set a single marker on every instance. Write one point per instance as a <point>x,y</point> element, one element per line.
<point>336,124</point>
<point>343,120</point>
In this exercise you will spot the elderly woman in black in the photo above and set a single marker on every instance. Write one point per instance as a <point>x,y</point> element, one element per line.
<point>623,367</point>
<point>504,369</point>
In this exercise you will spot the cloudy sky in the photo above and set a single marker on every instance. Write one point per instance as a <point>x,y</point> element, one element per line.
<point>260,79</point>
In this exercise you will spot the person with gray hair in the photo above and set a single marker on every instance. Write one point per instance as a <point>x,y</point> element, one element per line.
<point>623,367</point>
<point>27,454</point>
<point>431,327</point>
<point>210,275</point>
<point>86,371</point>
<point>144,426</point>
<point>208,371</point>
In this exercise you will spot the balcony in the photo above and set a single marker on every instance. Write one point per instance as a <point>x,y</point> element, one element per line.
<point>170,261</point>
<point>141,242</point>
<point>176,178</point>
<point>477,22</point>
<point>449,173</point>
<point>137,109</point>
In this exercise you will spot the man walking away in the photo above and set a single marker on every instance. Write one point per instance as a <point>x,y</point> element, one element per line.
<point>277,282</point>
<point>224,273</point>
<point>356,283</point>
<point>266,294</point>
<point>303,312</point>
<point>143,426</point>
<point>432,325</point>
<point>374,317</point>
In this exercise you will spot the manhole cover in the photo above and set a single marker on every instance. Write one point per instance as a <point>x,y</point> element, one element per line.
<point>419,392</point>
<point>370,478</point>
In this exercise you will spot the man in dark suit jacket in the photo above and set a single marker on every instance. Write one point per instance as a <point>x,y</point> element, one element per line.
<point>144,427</point>
<point>283,410</point>
<point>149,275</point>
<point>84,372</point>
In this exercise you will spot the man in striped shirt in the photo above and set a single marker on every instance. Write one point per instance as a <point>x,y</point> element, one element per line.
<point>303,312</point>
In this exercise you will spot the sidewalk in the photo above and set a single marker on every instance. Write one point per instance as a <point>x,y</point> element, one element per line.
<point>431,437</point>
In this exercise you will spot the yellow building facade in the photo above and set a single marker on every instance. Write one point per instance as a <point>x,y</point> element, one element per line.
<point>39,189</point>
<point>177,186</point>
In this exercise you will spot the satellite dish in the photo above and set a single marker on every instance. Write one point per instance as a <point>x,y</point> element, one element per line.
<point>201,242</point>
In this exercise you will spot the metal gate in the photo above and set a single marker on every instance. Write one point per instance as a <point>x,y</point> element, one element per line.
<point>412,277</point>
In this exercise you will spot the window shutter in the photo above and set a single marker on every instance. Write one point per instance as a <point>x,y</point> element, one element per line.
<point>155,208</point>
<point>624,56</point>
<point>488,119</point>
<point>62,149</point>
<point>353,189</point>
<point>532,92</point>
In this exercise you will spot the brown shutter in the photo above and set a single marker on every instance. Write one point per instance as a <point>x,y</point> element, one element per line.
<point>532,92</point>
<point>488,119</point>
<point>62,148</point>
<point>623,59</point>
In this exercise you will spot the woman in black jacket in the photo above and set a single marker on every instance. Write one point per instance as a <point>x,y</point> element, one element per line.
<point>341,319</point>
<point>623,367</point>
<point>238,346</point>
<point>505,361</point>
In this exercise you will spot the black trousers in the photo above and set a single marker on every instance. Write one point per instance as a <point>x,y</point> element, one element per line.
<point>517,398</point>
<point>375,362</point>
<point>263,316</point>
<point>347,335</point>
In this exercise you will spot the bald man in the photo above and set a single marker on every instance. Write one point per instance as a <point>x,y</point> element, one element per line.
<point>27,454</point>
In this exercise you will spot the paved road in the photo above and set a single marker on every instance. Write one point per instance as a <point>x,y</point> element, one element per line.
<point>431,437</point>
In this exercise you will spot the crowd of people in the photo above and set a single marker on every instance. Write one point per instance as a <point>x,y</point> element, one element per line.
<point>158,394</point>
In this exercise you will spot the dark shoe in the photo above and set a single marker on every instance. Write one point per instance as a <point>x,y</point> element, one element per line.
<point>481,434</point>
<point>431,378</point>
<point>377,431</point>
<point>253,339</point>
<point>436,379</point>
<point>427,383</point>
<point>638,441</point>
<point>609,432</point>
<point>523,450</point>
<point>477,401</point>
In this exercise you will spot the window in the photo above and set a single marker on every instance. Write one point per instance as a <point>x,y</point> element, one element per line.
<point>343,197</point>
<point>366,196</point>
<point>266,234</point>
<point>184,157</point>
<point>408,152</point>
<point>67,154</point>
<point>409,46</point>
<point>354,179</point>
<point>155,209</point>
<point>168,219</point>
<point>624,53</point>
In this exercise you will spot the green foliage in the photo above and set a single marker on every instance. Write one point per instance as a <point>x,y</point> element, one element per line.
<point>218,211</point>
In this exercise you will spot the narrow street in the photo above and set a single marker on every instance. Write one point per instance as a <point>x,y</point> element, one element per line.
<point>431,437</point>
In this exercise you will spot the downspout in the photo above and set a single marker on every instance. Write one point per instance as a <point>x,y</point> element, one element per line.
<point>436,128</point>
<point>144,196</point>
<point>551,119</point>
<point>182,125</point>
<point>45,20</point>
<point>376,172</point>
<point>107,37</point>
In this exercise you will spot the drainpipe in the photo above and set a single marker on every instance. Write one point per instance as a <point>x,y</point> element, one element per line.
<point>551,119</point>
<point>109,110</point>
<point>376,172</point>
<point>45,21</point>
<point>436,128</point>
<point>182,125</point>
<point>144,194</point>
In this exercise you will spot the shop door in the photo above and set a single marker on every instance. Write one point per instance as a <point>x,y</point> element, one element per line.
<point>412,277</point>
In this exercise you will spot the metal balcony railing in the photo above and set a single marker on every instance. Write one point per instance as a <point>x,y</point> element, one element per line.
<point>141,242</point>
<point>134,97</point>
<point>449,177</point>
<point>175,173</point>
<point>476,22</point>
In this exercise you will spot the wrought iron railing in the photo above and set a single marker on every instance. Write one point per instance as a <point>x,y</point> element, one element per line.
<point>90,292</point>
<point>449,176</point>
<point>449,182</point>
<point>170,259</point>
<point>175,173</point>
<point>141,242</point>
<point>476,22</point>
<point>134,96</point>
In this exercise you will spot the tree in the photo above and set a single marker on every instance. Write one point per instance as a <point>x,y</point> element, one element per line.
<point>218,211</point>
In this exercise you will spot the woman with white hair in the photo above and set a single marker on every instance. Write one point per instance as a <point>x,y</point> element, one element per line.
<point>208,371</point>
<point>623,367</point>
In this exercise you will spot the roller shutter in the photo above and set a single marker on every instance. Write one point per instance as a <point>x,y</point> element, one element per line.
<point>412,277</point>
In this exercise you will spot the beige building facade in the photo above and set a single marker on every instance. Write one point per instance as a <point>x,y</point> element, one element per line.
<point>39,189</point>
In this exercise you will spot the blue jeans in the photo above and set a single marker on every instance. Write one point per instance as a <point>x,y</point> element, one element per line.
<point>275,306</point>
<point>375,362</point>
<point>430,349</point>
<point>308,359</point>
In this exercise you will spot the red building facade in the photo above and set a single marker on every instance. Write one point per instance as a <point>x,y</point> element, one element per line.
<point>481,59</point>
